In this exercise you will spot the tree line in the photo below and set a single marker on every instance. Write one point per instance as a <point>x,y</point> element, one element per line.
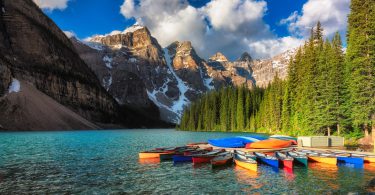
<point>327,90</point>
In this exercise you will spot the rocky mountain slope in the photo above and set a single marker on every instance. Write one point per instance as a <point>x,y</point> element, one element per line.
<point>25,106</point>
<point>264,71</point>
<point>35,51</point>
<point>135,70</point>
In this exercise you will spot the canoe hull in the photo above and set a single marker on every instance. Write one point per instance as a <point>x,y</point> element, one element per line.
<point>269,144</point>
<point>218,163</point>
<point>351,160</point>
<point>301,161</point>
<point>326,160</point>
<point>181,159</point>
<point>202,159</point>
<point>144,155</point>
<point>287,163</point>
<point>369,159</point>
<point>249,166</point>
<point>164,157</point>
<point>269,162</point>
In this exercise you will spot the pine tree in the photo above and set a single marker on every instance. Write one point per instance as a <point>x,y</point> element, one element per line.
<point>240,123</point>
<point>247,109</point>
<point>360,61</point>
<point>339,89</point>
<point>233,108</point>
<point>224,109</point>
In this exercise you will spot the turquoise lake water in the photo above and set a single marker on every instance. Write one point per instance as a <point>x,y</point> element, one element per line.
<point>105,162</point>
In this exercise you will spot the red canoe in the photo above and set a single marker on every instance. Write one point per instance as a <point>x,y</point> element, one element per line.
<point>286,161</point>
<point>202,159</point>
<point>205,158</point>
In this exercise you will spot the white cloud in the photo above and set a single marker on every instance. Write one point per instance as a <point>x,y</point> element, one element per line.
<point>331,13</point>
<point>52,4</point>
<point>234,14</point>
<point>272,47</point>
<point>69,34</point>
<point>228,26</point>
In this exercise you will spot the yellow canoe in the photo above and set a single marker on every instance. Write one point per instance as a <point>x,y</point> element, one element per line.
<point>323,159</point>
<point>143,155</point>
<point>369,159</point>
<point>249,166</point>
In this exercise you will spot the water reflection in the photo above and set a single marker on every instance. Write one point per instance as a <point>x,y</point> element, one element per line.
<point>354,166</point>
<point>326,173</point>
<point>147,161</point>
<point>369,167</point>
<point>248,178</point>
<point>289,174</point>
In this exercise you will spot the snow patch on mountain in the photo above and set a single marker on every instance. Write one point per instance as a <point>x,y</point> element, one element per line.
<point>179,105</point>
<point>133,28</point>
<point>15,86</point>
<point>94,45</point>
<point>107,82</point>
<point>108,61</point>
<point>133,60</point>
<point>208,83</point>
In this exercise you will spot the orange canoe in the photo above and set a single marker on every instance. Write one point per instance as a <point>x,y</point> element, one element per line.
<point>143,155</point>
<point>269,144</point>
<point>324,159</point>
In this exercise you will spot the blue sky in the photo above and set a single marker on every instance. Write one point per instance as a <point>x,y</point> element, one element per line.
<point>261,27</point>
<point>88,17</point>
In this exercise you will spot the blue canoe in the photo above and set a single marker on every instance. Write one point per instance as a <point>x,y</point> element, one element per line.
<point>268,160</point>
<point>235,142</point>
<point>182,158</point>
<point>351,160</point>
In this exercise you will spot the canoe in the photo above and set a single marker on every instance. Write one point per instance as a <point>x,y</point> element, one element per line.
<point>247,163</point>
<point>205,158</point>
<point>268,160</point>
<point>366,158</point>
<point>348,158</point>
<point>198,151</point>
<point>178,151</point>
<point>369,159</point>
<point>168,156</point>
<point>351,160</point>
<point>246,154</point>
<point>182,158</point>
<point>155,153</point>
<point>235,142</point>
<point>151,154</point>
<point>222,160</point>
<point>269,144</point>
<point>187,156</point>
<point>327,159</point>
<point>285,160</point>
<point>298,158</point>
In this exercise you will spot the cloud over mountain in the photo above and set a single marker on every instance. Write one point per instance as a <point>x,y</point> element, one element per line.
<point>52,4</point>
<point>229,26</point>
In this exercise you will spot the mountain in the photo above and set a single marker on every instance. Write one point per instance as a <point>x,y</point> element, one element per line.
<point>38,58</point>
<point>264,71</point>
<point>136,70</point>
